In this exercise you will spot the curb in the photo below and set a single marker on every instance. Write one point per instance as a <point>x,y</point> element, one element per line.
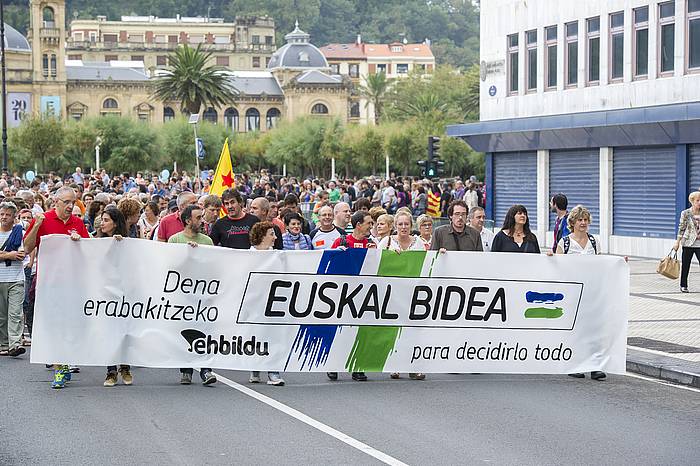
<point>663,367</point>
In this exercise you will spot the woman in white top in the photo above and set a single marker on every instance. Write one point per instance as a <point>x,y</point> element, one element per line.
<point>384,227</point>
<point>580,242</point>
<point>425,229</point>
<point>262,238</point>
<point>403,241</point>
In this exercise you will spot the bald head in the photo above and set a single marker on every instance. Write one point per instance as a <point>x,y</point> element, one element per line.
<point>260,207</point>
<point>185,199</point>
<point>342,214</point>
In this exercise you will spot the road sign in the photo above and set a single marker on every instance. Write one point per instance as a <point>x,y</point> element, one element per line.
<point>201,153</point>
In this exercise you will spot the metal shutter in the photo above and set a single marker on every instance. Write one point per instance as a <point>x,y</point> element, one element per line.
<point>515,182</point>
<point>694,168</point>
<point>576,173</point>
<point>644,194</point>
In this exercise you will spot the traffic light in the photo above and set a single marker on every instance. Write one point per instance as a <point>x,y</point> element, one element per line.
<point>433,147</point>
<point>434,166</point>
<point>424,164</point>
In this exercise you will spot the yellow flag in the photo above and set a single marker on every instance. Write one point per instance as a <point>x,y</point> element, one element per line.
<point>223,177</point>
<point>433,209</point>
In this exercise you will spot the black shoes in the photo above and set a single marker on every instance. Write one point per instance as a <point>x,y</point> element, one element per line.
<point>598,375</point>
<point>332,375</point>
<point>684,289</point>
<point>359,376</point>
<point>578,375</point>
<point>207,378</point>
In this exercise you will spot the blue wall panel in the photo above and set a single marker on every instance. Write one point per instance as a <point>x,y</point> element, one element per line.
<point>514,182</point>
<point>694,168</point>
<point>576,173</point>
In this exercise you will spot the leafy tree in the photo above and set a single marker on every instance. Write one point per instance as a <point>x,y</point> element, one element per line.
<point>41,138</point>
<point>178,143</point>
<point>332,144</point>
<point>127,145</point>
<point>193,83</point>
<point>404,146</point>
<point>374,90</point>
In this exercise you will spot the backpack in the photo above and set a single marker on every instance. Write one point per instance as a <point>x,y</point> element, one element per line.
<point>567,243</point>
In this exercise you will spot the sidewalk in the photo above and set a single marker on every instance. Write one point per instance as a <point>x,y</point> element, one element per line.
<point>663,338</point>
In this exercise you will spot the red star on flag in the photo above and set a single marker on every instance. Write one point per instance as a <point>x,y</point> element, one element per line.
<point>227,180</point>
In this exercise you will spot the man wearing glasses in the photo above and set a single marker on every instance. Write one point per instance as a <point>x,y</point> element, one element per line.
<point>457,235</point>
<point>59,221</point>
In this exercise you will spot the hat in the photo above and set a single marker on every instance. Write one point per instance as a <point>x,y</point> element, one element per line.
<point>172,204</point>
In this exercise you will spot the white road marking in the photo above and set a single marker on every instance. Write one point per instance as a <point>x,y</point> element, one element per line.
<point>662,382</point>
<point>383,457</point>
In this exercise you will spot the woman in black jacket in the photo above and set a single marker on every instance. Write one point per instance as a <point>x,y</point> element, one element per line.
<point>515,235</point>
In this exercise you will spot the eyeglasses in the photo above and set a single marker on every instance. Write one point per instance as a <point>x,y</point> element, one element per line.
<point>66,201</point>
<point>459,214</point>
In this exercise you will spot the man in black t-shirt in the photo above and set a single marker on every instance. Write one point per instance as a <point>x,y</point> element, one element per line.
<point>233,231</point>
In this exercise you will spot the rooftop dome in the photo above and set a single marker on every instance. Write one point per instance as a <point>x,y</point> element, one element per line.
<point>14,40</point>
<point>298,52</point>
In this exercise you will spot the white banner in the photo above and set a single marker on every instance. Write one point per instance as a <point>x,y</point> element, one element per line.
<point>103,302</point>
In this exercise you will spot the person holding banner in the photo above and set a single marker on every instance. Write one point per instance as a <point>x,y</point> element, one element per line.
<point>580,241</point>
<point>293,238</point>
<point>11,282</point>
<point>262,238</point>
<point>515,235</point>
<point>58,221</point>
<point>113,225</point>
<point>191,218</point>
<point>233,230</point>
<point>457,236</point>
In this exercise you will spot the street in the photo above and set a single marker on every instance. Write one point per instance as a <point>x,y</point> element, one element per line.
<point>446,419</point>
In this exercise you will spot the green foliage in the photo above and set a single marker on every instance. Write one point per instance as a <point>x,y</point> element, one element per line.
<point>40,139</point>
<point>190,81</point>
<point>178,143</point>
<point>374,90</point>
<point>127,145</point>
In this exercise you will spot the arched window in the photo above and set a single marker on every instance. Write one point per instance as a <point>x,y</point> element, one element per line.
<point>355,110</point>
<point>272,117</point>
<point>110,103</point>
<point>231,119</point>
<point>319,109</point>
<point>49,18</point>
<point>210,115</point>
<point>252,119</point>
<point>168,114</point>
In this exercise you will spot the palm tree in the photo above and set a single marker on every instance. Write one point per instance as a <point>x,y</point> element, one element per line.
<point>190,81</point>
<point>374,90</point>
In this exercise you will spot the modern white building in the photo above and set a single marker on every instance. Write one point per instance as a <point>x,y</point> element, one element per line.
<point>599,100</point>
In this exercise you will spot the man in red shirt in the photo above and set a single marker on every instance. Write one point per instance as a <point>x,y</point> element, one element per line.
<point>58,221</point>
<point>171,223</point>
<point>361,225</point>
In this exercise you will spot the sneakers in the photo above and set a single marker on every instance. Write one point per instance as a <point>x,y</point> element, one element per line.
<point>185,378</point>
<point>395,375</point>
<point>598,375</point>
<point>416,376</point>
<point>16,351</point>
<point>332,375</point>
<point>254,377</point>
<point>207,378</point>
<point>110,380</point>
<point>59,379</point>
<point>684,289</point>
<point>359,377</point>
<point>127,378</point>
<point>273,378</point>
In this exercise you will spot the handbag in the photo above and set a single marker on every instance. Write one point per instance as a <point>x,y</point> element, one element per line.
<point>669,266</point>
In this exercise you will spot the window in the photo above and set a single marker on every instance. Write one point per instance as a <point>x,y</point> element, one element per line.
<point>110,104</point>
<point>381,68</point>
<point>354,70</point>
<point>231,119</point>
<point>272,117</point>
<point>667,32</point>
<point>109,58</point>
<point>267,62</point>
<point>45,65</point>
<point>137,58</point>
<point>222,61</point>
<point>402,68</point>
<point>78,36</point>
<point>512,64</point>
<point>641,42</point>
<point>268,40</point>
<point>196,39</point>
<point>210,115</point>
<point>109,39</point>
<point>693,34</point>
<point>571,55</point>
<point>531,59</point>
<point>75,57</point>
<point>252,119</point>
<point>53,65</point>
<point>319,109</point>
<point>161,39</point>
<point>256,62</point>
<point>256,40</point>
<point>168,114</point>
<point>593,51</point>
<point>162,60</point>
<point>551,59</point>
<point>396,48</point>
<point>355,110</point>
<point>617,46</point>
<point>135,38</point>
<point>48,16</point>
<point>335,68</point>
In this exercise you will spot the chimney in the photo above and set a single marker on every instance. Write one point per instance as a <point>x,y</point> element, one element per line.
<point>359,39</point>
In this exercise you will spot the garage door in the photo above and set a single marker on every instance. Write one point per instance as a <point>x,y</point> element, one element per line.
<point>515,182</point>
<point>576,173</point>
<point>694,165</point>
<point>644,193</point>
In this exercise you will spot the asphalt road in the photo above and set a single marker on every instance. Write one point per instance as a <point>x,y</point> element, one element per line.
<point>446,419</point>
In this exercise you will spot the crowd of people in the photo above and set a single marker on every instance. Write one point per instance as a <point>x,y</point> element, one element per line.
<point>261,214</point>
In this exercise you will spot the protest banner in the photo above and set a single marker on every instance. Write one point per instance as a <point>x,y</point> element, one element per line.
<point>99,303</point>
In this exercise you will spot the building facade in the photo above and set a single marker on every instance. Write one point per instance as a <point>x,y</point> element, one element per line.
<point>600,102</point>
<point>358,60</point>
<point>245,44</point>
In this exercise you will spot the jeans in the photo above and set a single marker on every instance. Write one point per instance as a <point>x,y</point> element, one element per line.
<point>28,304</point>
<point>686,258</point>
<point>189,370</point>
<point>113,369</point>
<point>11,295</point>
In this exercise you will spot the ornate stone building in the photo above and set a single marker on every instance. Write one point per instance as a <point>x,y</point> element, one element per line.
<point>42,78</point>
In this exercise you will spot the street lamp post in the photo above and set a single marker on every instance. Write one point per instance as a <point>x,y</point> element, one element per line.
<point>194,118</point>
<point>4,89</point>
<point>98,141</point>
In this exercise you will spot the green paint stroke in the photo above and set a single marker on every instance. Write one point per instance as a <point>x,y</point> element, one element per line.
<point>543,313</point>
<point>373,345</point>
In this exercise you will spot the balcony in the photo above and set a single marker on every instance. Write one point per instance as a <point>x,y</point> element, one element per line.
<point>74,45</point>
<point>53,34</point>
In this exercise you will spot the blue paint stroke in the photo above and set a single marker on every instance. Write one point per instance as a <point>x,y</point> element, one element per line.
<point>535,297</point>
<point>313,342</point>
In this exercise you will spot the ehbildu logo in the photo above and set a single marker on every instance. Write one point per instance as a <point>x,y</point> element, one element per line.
<point>201,343</point>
